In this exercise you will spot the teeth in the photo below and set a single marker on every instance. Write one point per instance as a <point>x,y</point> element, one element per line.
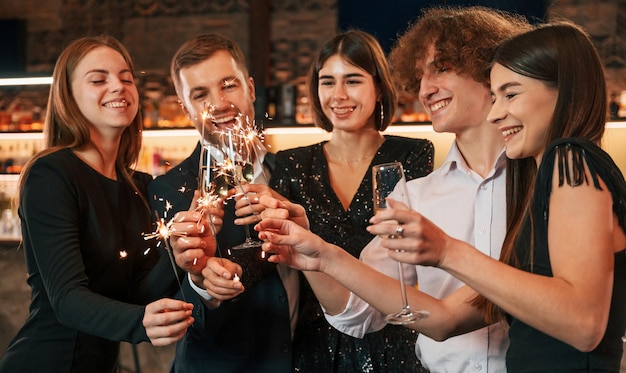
<point>343,110</point>
<point>223,120</point>
<point>511,131</point>
<point>116,104</point>
<point>439,105</point>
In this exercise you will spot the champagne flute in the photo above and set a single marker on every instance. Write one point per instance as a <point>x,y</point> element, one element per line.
<point>237,145</point>
<point>240,156</point>
<point>388,181</point>
<point>245,174</point>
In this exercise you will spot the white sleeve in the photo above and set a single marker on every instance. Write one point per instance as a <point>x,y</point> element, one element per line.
<point>206,297</point>
<point>359,318</point>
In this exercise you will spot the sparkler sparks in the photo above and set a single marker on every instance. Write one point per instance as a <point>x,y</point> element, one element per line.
<point>225,156</point>
<point>163,232</point>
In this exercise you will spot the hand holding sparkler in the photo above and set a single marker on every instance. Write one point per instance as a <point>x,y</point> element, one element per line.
<point>166,321</point>
<point>194,242</point>
<point>222,279</point>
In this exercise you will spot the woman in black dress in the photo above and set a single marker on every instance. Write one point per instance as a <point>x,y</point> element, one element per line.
<point>354,99</point>
<point>83,211</point>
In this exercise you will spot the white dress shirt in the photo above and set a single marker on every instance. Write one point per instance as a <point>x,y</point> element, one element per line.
<point>469,208</point>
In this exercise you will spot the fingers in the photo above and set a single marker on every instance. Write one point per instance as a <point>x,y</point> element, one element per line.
<point>395,204</point>
<point>186,216</point>
<point>269,201</point>
<point>271,246</point>
<point>192,239</point>
<point>194,201</point>
<point>260,189</point>
<point>215,216</point>
<point>386,228</point>
<point>276,213</point>
<point>195,223</point>
<point>400,213</point>
<point>167,320</point>
<point>191,253</point>
<point>248,210</point>
<point>188,228</point>
<point>221,278</point>
<point>283,209</point>
<point>247,207</point>
<point>294,209</point>
<point>268,224</point>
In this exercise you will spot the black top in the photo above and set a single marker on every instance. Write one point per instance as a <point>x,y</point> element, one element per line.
<point>88,267</point>
<point>301,175</point>
<point>531,350</point>
<point>249,333</point>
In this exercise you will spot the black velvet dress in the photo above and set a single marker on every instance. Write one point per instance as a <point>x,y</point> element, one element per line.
<point>89,268</point>
<point>530,349</point>
<point>301,175</point>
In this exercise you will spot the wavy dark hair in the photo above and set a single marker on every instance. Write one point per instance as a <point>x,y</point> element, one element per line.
<point>362,50</point>
<point>562,56</point>
<point>65,126</point>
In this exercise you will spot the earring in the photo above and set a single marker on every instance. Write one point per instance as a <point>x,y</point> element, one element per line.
<point>382,115</point>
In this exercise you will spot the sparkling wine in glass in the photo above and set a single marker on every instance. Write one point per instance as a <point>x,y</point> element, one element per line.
<point>240,155</point>
<point>238,145</point>
<point>388,181</point>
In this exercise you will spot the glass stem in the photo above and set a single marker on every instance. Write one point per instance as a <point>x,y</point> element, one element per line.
<point>405,301</point>
<point>245,195</point>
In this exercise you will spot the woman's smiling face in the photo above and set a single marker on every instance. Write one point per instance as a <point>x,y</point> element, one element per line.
<point>104,89</point>
<point>522,109</point>
<point>347,94</point>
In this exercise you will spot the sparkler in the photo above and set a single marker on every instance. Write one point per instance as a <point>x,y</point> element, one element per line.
<point>209,197</point>
<point>163,232</point>
<point>238,145</point>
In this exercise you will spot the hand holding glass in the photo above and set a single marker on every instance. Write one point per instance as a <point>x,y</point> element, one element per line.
<point>388,181</point>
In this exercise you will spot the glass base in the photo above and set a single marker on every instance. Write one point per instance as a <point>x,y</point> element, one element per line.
<point>406,316</point>
<point>248,244</point>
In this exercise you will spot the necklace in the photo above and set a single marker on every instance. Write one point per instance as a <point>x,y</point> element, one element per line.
<point>355,160</point>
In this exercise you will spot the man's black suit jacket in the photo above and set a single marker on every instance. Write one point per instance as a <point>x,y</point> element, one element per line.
<point>248,333</point>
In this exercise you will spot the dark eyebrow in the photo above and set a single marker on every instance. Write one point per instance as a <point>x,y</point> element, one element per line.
<point>353,75</point>
<point>505,86</point>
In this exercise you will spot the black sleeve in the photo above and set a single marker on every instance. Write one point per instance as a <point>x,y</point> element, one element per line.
<point>53,224</point>
<point>571,156</point>
<point>280,180</point>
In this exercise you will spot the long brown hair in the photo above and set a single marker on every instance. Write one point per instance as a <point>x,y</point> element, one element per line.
<point>65,125</point>
<point>363,51</point>
<point>562,56</point>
